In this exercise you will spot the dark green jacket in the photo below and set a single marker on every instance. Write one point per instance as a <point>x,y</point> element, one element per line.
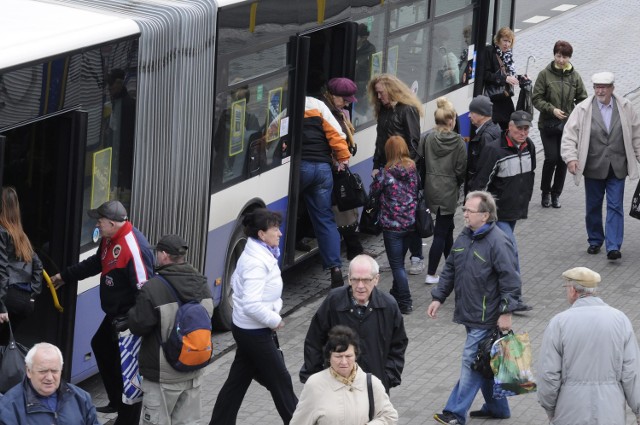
<point>557,88</point>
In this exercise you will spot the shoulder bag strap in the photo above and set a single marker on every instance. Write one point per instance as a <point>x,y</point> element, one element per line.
<point>372,407</point>
<point>170,286</point>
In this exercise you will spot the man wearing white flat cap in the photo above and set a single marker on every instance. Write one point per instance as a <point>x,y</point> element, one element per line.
<point>601,141</point>
<point>589,362</point>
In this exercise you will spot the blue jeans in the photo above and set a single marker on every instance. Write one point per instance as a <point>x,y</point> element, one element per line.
<point>471,381</point>
<point>397,244</point>
<point>316,185</point>
<point>508,228</point>
<point>613,233</point>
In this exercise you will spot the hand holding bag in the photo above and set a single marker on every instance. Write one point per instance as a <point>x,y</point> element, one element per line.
<point>635,203</point>
<point>499,91</point>
<point>482,360</point>
<point>129,346</point>
<point>12,368</point>
<point>512,362</point>
<point>348,190</point>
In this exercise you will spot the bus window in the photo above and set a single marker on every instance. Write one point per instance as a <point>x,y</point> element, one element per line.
<point>257,64</point>
<point>407,15</point>
<point>449,53</point>
<point>446,6</point>
<point>251,132</point>
<point>407,55</point>
<point>504,13</point>
<point>368,53</point>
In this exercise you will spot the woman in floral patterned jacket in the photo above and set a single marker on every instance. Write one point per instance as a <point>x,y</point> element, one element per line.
<point>396,189</point>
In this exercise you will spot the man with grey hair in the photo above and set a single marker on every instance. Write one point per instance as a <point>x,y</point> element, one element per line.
<point>601,141</point>
<point>374,314</point>
<point>483,271</point>
<point>589,362</point>
<point>43,397</point>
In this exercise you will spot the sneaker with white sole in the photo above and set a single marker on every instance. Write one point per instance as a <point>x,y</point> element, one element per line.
<point>447,418</point>
<point>417,265</point>
<point>432,279</point>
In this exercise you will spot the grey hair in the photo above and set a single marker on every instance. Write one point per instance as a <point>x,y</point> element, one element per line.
<point>28,359</point>
<point>487,203</point>
<point>583,290</point>
<point>375,268</point>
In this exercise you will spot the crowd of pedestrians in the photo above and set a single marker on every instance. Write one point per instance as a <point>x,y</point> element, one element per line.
<point>354,350</point>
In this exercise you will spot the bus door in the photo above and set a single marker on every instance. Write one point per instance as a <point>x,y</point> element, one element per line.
<point>331,53</point>
<point>44,162</point>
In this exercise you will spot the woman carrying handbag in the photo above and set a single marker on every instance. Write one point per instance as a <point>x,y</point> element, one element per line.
<point>20,267</point>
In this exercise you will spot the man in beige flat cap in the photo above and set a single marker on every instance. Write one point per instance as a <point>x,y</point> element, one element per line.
<point>589,362</point>
<point>601,141</point>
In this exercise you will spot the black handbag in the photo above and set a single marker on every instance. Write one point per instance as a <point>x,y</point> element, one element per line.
<point>482,360</point>
<point>635,203</point>
<point>424,219</point>
<point>348,190</point>
<point>370,218</point>
<point>11,363</point>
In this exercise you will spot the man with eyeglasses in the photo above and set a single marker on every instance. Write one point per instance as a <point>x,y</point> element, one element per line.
<point>601,141</point>
<point>43,397</point>
<point>374,314</point>
<point>482,271</point>
<point>589,362</point>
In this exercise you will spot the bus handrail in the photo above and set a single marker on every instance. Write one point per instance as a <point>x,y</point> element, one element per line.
<point>52,288</point>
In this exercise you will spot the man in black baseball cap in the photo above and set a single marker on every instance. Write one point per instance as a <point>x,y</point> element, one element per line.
<point>111,210</point>
<point>172,245</point>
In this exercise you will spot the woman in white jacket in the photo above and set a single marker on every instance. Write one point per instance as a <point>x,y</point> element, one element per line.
<point>338,395</point>
<point>257,288</point>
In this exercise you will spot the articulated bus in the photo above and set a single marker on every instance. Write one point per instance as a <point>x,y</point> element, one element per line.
<point>190,112</point>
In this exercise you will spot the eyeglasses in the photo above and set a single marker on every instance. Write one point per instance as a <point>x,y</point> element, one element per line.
<point>365,280</point>
<point>470,211</point>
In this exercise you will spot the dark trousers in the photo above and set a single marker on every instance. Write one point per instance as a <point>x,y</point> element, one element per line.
<point>19,305</point>
<point>351,241</point>
<point>442,241</point>
<point>257,357</point>
<point>553,168</point>
<point>105,347</point>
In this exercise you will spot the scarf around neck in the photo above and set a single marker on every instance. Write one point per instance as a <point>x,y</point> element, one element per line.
<point>507,59</point>
<point>348,381</point>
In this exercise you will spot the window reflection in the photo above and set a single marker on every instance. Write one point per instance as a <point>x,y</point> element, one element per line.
<point>446,6</point>
<point>251,133</point>
<point>405,16</point>
<point>368,63</point>
<point>411,60</point>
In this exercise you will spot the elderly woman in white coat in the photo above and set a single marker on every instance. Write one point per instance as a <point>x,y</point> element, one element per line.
<point>257,291</point>
<point>339,393</point>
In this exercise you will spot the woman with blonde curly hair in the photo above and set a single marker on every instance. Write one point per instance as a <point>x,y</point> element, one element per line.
<point>398,111</point>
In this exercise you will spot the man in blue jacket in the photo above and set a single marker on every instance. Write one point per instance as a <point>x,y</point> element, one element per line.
<point>43,397</point>
<point>482,270</point>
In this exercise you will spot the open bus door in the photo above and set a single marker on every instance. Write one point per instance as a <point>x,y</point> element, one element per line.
<point>321,55</point>
<point>44,161</point>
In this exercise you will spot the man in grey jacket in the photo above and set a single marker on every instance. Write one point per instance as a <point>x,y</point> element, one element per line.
<point>483,272</point>
<point>589,363</point>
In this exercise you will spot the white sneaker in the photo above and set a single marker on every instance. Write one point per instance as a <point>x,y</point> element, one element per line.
<point>431,279</point>
<point>417,265</point>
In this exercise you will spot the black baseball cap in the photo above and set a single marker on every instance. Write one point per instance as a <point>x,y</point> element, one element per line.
<point>112,210</point>
<point>521,118</point>
<point>172,244</point>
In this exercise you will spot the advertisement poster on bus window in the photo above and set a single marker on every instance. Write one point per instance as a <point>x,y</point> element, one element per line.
<point>236,127</point>
<point>101,177</point>
<point>273,114</point>
<point>392,60</point>
<point>376,64</point>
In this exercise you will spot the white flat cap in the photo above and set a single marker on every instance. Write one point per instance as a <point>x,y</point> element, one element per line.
<point>602,78</point>
<point>582,275</point>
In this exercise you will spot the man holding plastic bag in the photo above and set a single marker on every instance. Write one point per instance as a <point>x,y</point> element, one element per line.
<point>589,362</point>
<point>482,270</point>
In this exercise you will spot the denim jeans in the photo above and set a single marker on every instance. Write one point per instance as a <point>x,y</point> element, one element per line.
<point>471,381</point>
<point>613,233</point>
<point>316,185</point>
<point>397,244</point>
<point>508,228</point>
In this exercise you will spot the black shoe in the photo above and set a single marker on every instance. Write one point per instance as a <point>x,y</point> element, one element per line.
<point>555,201</point>
<point>593,249</point>
<point>336,277</point>
<point>614,255</point>
<point>446,418</point>
<point>523,307</point>
<point>481,414</point>
<point>109,408</point>
<point>546,200</point>
<point>406,310</point>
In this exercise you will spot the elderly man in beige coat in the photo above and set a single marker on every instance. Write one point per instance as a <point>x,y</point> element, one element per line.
<point>589,362</point>
<point>601,141</point>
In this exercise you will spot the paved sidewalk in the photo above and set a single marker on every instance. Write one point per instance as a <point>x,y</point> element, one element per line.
<point>604,35</point>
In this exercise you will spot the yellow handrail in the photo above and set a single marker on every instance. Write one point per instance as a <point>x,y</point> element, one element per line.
<point>54,294</point>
